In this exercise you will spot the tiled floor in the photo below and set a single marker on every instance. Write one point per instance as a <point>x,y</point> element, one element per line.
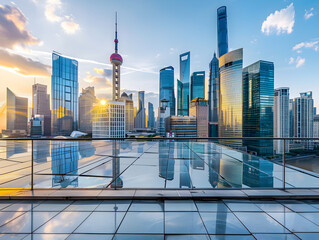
<point>169,219</point>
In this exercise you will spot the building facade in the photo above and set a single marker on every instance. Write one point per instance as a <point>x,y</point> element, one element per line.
<point>197,85</point>
<point>64,95</point>
<point>129,111</point>
<point>86,102</point>
<point>316,127</point>
<point>281,118</point>
<point>183,85</point>
<point>213,96</point>
<point>163,113</point>
<point>182,126</point>
<point>151,116</point>
<point>140,121</point>
<point>258,103</point>
<point>222,32</point>
<point>166,87</point>
<point>199,109</point>
<point>230,122</point>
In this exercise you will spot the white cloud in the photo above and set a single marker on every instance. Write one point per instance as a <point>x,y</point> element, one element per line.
<point>51,7</point>
<point>300,61</point>
<point>291,60</point>
<point>308,14</point>
<point>69,26</point>
<point>281,21</point>
<point>313,44</point>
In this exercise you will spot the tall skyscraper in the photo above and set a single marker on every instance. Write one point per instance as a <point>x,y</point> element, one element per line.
<point>116,60</point>
<point>64,95</point>
<point>166,87</point>
<point>183,84</point>
<point>139,121</point>
<point>41,107</point>
<point>230,122</point>
<point>258,103</point>
<point>213,96</point>
<point>281,118</point>
<point>291,118</point>
<point>199,109</point>
<point>16,115</point>
<point>222,32</point>
<point>163,113</point>
<point>129,111</point>
<point>198,85</point>
<point>151,117</point>
<point>86,102</point>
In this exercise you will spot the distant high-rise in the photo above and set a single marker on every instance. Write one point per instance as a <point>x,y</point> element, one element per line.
<point>16,115</point>
<point>281,118</point>
<point>258,103</point>
<point>151,117</point>
<point>316,126</point>
<point>166,87</point>
<point>129,111</point>
<point>222,32</point>
<point>64,95</point>
<point>139,121</point>
<point>291,118</point>
<point>197,85</point>
<point>86,101</point>
<point>199,109</point>
<point>230,123</point>
<point>163,113</point>
<point>213,96</point>
<point>183,84</point>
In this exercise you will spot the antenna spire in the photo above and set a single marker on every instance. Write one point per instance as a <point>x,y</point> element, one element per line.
<point>116,40</point>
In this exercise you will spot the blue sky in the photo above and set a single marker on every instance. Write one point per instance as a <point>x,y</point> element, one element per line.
<point>152,34</point>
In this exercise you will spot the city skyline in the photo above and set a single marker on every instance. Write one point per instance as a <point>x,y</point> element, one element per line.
<point>279,42</point>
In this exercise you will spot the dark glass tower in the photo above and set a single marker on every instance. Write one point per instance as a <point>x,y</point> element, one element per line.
<point>151,117</point>
<point>64,118</point>
<point>198,85</point>
<point>222,31</point>
<point>213,96</point>
<point>258,103</point>
<point>184,62</point>
<point>166,87</point>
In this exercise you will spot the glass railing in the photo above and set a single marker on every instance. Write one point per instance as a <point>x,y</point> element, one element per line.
<point>160,163</point>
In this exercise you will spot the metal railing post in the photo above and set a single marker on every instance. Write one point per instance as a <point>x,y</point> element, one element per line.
<point>284,165</point>
<point>32,165</point>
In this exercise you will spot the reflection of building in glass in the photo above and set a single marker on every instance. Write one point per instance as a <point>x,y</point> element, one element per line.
<point>166,88</point>
<point>183,97</point>
<point>231,96</point>
<point>182,126</point>
<point>41,151</point>
<point>222,32</point>
<point>86,149</point>
<point>199,109</point>
<point>64,115</point>
<point>151,117</point>
<point>129,111</point>
<point>117,182</point>
<point>213,96</point>
<point>197,85</point>
<point>139,121</point>
<point>163,113</point>
<point>86,101</point>
<point>166,160</point>
<point>109,119</point>
<point>64,160</point>
<point>15,147</point>
<point>258,103</point>
<point>281,118</point>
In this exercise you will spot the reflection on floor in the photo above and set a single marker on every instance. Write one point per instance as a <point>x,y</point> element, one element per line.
<point>169,219</point>
<point>140,164</point>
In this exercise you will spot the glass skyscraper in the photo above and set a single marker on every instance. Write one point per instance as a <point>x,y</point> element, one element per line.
<point>64,93</point>
<point>222,31</point>
<point>139,121</point>
<point>198,85</point>
<point>213,96</point>
<point>231,96</point>
<point>166,87</point>
<point>151,117</point>
<point>258,103</point>
<point>183,86</point>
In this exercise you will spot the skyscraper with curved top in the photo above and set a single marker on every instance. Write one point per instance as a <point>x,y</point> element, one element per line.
<point>166,87</point>
<point>222,31</point>
<point>184,73</point>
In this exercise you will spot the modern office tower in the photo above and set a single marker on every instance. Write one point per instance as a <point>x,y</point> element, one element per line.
<point>129,111</point>
<point>316,127</point>
<point>37,126</point>
<point>166,87</point>
<point>291,118</point>
<point>163,113</point>
<point>109,119</point>
<point>197,85</point>
<point>183,97</point>
<point>64,95</point>
<point>86,101</point>
<point>230,122</point>
<point>16,115</point>
<point>41,107</point>
<point>258,103</point>
<point>199,109</point>
<point>116,61</point>
<point>281,118</point>
<point>181,126</point>
<point>222,32</point>
<point>139,121</point>
<point>151,117</point>
<point>303,118</point>
<point>213,96</point>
